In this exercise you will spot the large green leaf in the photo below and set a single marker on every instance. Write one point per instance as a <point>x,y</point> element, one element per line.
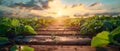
<point>103,35</point>
<point>98,42</point>
<point>3,40</point>
<point>22,48</point>
<point>26,48</point>
<point>101,39</point>
<point>29,29</point>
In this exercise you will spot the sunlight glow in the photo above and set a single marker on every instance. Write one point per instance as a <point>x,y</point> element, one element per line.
<point>59,13</point>
<point>58,9</point>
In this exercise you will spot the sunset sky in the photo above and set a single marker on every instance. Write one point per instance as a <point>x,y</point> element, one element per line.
<point>75,7</point>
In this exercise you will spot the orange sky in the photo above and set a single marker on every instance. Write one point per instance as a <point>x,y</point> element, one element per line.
<point>57,8</point>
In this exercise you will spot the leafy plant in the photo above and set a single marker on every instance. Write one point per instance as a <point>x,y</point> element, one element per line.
<point>29,29</point>
<point>116,31</point>
<point>101,39</point>
<point>3,29</point>
<point>11,27</point>
<point>22,48</point>
<point>3,41</point>
<point>98,24</point>
<point>14,48</point>
<point>115,34</point>
<point>73,22</point>
<point>14,22</point>
<point>106,37</point>
<point>26,48</point>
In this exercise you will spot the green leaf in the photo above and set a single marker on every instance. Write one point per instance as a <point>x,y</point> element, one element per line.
<point>116,31</point>
<point>22,48</point>
<point>101,39</point>
<point>14,48</point>
<point>83,30</point>
<point>29,29</point>
<point>3,40</point>
<point>14,22</point>
<point>98,42</point>
<point>26,48</point>
<point>103,35</point>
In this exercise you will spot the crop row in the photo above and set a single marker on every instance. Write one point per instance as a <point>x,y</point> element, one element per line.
<point>12,27</point>
<point>106,29</point>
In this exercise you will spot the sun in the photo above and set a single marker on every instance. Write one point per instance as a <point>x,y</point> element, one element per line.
<point>60,13</point>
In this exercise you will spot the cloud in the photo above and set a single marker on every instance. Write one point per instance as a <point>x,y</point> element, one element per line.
<point>78,5</point>
<point>9,12</point>
<point>34,4</point>
<point>56,8</point>
<point>60,9</point>
<point>96,4</point>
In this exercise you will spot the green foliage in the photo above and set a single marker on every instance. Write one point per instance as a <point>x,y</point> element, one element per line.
<point>45,21</point>
<point>22,48</point>
<point>105,37</point>
<point>3,29</point>
<point>3,41</point>
<point>15,26</point>
<point>14,22</point>
<point>83,31</point>
<point>95,24</point>
<point>73,22</point>
<point>116,31</point>
<point>115,35</point>
<point>101,39</point>
<point>11,27</point>
<point>113,39</point>
<point>14,48</point>
<point>26,48</point>
<point>29,29</point>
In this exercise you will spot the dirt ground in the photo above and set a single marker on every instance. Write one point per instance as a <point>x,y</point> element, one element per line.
<point>70,48</point>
